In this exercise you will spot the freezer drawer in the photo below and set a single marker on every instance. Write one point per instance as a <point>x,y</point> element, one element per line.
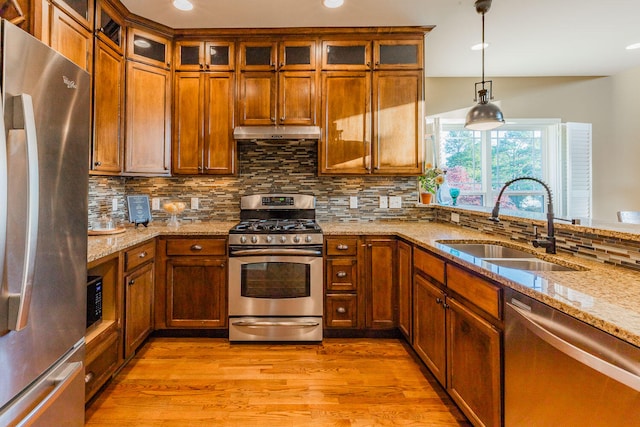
<point>55,399</point>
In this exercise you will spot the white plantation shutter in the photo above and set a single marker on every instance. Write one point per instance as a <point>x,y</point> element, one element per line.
<point>578,173</point>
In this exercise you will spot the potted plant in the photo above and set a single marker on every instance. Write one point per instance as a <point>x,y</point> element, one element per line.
<point>429,182</point>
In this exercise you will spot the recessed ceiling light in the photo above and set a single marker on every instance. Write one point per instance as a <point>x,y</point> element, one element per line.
<point>332,3</point>
<point>633,46</point>
<point>182,4</point>
<point>480,46</point>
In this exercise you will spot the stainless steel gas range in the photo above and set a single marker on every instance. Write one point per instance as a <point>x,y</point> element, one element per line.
<point>276,270</point>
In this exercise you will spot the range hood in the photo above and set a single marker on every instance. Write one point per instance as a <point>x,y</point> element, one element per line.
<point>278,135</point>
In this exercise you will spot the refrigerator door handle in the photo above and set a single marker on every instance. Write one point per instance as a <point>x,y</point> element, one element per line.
<point>24,118</point>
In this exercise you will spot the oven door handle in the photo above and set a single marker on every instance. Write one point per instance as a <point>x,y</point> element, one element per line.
<point>275,251</point>
<point>262,324</point>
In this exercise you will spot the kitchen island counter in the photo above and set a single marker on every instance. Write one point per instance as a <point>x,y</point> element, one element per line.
<point>602,295</point>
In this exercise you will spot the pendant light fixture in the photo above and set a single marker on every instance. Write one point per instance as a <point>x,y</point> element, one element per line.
<point>484,115</point>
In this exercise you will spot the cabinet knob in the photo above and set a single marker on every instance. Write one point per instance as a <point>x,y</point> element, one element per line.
<point>143,254</point>
<point>132,282</point>
<point>88,377</point>
<point>445,305</point>
<point>196,247</point>
<point>98,163</point>
<point>341,310</point>
<point>438,300</point>
<point>201,66</point>
<point>273,119</point>
<point>282,119</point>
<point>369,64</point>
<point>341,274</point>
<point>222,265</point>
<point>342,247</point>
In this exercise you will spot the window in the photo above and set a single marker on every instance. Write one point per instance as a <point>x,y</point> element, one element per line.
<point>480,162</point>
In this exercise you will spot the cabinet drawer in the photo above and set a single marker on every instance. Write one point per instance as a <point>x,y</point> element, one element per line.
<point>197,247</point>
<point>139,255</point>
<point>341,311</point>
<point>100,365</point>
<point>344,246</point>
<point>483,294</point>
<point>429,264</point>
<point>342,274</point>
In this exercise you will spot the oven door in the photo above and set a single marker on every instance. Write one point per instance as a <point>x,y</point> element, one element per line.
<point>275,285</point>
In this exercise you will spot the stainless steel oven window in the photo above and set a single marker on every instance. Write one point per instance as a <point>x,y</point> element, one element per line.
<point>275,280</point>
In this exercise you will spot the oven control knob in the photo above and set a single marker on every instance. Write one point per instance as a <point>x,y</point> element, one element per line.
<point>283,239</point>
<point>296,239</point>
<point>243,239</point>
<point>269,239</point>
<point>308,239</point>
<point>254,239</point>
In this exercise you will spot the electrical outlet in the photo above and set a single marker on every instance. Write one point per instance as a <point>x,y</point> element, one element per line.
<point>195,203</point>
<point>353,202</point>
<point>455,217</point>
<point>155,203</point>
<point>114,204</point>
<point>384,202</point>
<point>395,202</point>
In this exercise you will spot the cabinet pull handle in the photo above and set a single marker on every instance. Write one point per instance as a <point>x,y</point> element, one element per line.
<point>142,254</point>
<point>132,282</point>
<point>439,300</point>
<point>341,274</point>
<point>341,310</point>
<point>342,247</point>
<point>88,377</point>
<point>196,247</point>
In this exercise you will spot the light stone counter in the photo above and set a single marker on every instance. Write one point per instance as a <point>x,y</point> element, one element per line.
<point>605,296</point>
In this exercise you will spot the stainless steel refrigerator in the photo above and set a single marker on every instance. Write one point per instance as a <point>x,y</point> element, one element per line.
<point>43,233</point>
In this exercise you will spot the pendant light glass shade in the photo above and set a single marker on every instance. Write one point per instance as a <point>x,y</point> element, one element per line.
<point>484,115</point>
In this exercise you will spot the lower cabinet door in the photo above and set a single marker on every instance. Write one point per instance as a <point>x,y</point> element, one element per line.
<point>474,365</point>
<point>139,307</point>
<point>429,326</point>
<point>196,293</point>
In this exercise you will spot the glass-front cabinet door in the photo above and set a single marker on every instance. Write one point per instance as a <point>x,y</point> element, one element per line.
<point>204,56</point>
<point>219,56</point>
<point>297,55</point>
<point>82,10</point>
<point>258,56</point>
<point>149,48</point>
<point>346,55</point>
<point>109,26</point>
<point>398,54</point>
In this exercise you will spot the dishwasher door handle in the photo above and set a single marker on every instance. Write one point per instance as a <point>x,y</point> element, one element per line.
<point>602,366</point>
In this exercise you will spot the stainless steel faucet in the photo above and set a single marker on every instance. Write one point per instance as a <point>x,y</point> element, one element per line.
<point>549,242</point>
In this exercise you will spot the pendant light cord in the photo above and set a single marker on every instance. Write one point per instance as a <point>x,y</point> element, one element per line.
<point>483,49</point>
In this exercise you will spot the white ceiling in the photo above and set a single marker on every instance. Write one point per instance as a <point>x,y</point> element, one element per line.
<point>526,37</point>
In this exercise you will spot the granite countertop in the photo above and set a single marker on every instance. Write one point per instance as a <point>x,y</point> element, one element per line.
<point>604,296</point>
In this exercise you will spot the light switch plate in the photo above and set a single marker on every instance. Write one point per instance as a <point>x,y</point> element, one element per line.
<point>395,202</point>
<point>353,202</point>
<point>114,204</point>
<point>155,203</point>
<point>455,217</point>
<point>384,202</point>
<point>195,203</point>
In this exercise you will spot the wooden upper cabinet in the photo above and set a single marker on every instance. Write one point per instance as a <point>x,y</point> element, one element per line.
<point>397,122</point>
<point>346,55</point>
<point>71,39</point>
<point>277,83</point>
<point>108,110</point>
<point>110,27</point>
<point>152,49</point>
<point>148,112</point>
<point>346,122</point>
<point>205,56</point>
<point>398,54</point>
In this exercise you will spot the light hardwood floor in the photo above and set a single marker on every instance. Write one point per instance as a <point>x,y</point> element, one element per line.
<point>209,382</point>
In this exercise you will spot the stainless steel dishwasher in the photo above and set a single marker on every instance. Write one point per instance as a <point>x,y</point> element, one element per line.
<point>560,371</point>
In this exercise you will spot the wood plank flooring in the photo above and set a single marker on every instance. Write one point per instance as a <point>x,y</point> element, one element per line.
<point>209,382</point>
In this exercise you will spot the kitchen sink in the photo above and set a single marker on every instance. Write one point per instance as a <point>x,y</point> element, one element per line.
<point>489,250</point>
<point>531,264</point>
<point>503,256</point>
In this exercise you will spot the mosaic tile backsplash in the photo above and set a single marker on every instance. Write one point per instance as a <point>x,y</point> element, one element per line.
<point>262,169</point>
<point>294,169</point>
